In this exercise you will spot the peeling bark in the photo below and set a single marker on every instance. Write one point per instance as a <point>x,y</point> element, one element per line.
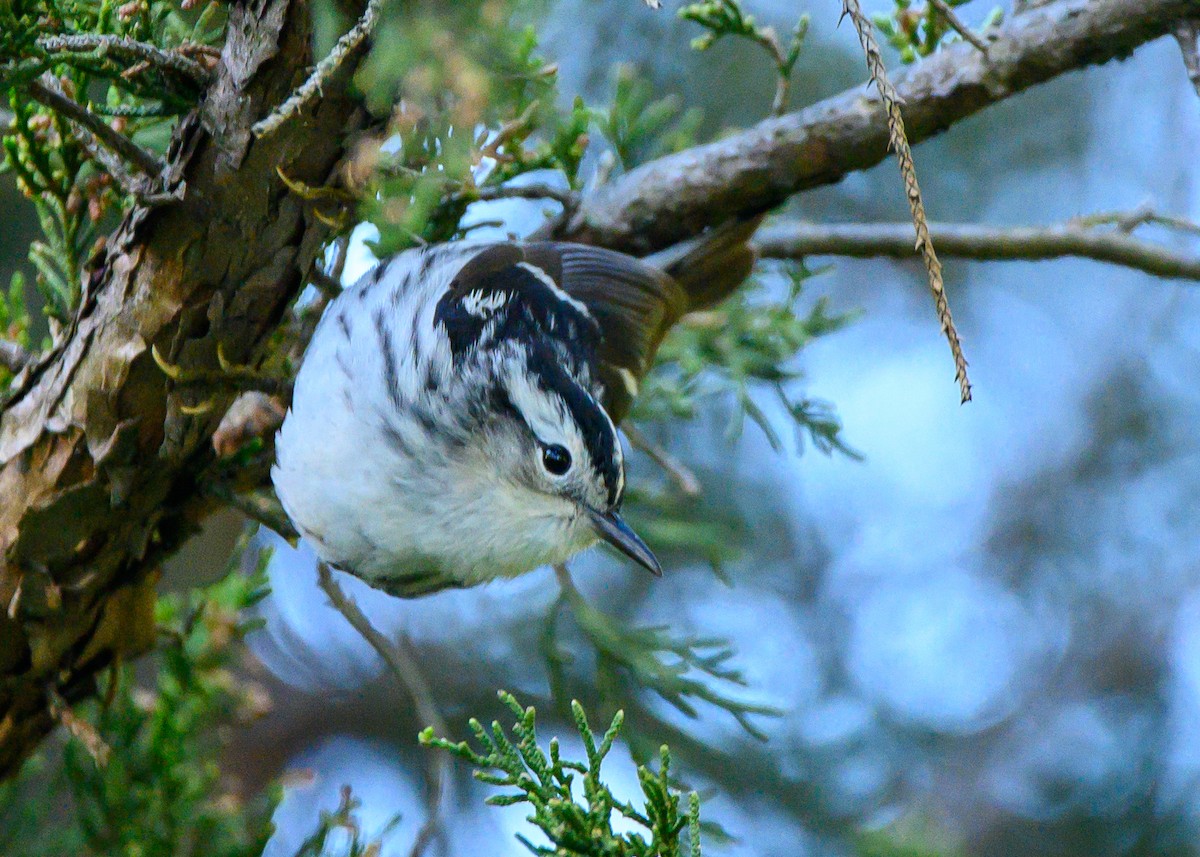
<point>99,459</point>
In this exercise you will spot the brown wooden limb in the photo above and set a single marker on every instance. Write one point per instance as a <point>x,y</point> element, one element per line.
<point>678,196</point>
<point>100,458</point>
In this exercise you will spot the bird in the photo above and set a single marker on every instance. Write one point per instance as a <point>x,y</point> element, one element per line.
<point>454,419</point>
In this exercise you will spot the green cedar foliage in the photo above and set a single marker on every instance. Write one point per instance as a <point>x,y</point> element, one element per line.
<point>145,779</point>
<point>577,818</point>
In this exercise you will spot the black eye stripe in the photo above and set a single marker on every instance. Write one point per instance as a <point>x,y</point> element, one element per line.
<point>599,439</point>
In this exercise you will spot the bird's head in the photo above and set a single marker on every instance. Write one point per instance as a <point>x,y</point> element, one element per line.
<point>554,461</point>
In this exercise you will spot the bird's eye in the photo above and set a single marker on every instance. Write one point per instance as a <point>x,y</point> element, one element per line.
<point>556,459</point>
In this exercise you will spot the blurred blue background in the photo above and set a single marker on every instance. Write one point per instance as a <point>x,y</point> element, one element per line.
<point>985,636</point>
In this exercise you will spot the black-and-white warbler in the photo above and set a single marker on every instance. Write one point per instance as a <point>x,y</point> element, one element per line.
<point>454,419</point>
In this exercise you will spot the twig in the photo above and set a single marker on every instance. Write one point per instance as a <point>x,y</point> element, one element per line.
<point>325,69</point>
<point>330,286</point>
<point>129,48</point>
<point>490,144</point>
<point>138,187</point>
<point>146,162</point>
<point>258,506</point>
<point>13,357</point>
<point>464,231</point>
<point>79,729</point>
<point>685,480</point>
<point>727,18</point>
<point>568,198</point>
<point>563,574</point>
<point>341,250</point>
<point>1186,35</point>
<point>956,24</point>
<point>400,660</point>
<point>330,282</point>
<point>783,88</point>
<point>1143,215</point>
<point>899,143</point>
<point>769,40</point>
<point>982,243</point>
<point>192,49</point>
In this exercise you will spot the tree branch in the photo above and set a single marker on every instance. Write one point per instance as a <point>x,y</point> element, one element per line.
<point>982,243</point>
<point>1127,221</point>
<point>675,197</point>
<point>175,63</point>
<point>487,193</point>
<point>308,92</point>
<point>678,472</point>
<point>79,115</point>
<point>101,455</point>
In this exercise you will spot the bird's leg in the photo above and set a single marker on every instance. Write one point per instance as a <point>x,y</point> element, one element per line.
<point>227,376</point>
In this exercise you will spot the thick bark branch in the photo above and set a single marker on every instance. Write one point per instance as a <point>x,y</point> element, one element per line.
<point>755,170</point>
<point>982,243</point>
<point>100,457</point>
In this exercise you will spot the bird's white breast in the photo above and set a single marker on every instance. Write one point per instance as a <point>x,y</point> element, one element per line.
<point>350,447</point>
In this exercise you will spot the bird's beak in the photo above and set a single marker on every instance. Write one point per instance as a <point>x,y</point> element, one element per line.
<point>616,532</point>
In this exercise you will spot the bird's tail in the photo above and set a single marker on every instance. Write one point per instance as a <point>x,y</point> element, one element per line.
<point>710,266</point>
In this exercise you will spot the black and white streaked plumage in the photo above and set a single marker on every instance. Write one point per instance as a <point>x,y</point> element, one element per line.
<point>454,420</point>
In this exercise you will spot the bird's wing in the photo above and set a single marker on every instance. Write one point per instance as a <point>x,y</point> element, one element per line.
<point>633,303</point>
<point>499,294</point>
<point>613,307</point>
